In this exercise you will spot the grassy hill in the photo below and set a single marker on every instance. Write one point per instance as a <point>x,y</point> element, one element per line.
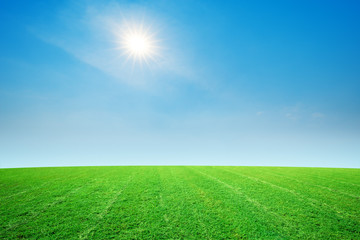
<point>155,202</point>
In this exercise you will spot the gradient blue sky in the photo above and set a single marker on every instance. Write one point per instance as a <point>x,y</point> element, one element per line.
<point>269,83</point>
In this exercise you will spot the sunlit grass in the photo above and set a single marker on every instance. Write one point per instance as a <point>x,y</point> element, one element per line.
<point>179,202</point>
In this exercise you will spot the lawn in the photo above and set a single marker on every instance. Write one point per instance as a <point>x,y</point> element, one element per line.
<point>182,202</point>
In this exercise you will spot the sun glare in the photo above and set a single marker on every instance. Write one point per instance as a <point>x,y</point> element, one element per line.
<point>138,43</point>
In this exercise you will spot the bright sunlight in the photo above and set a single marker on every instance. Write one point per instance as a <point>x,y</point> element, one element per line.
<point>138,43</point>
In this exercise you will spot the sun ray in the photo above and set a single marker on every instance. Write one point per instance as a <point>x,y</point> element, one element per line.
<point>138,43</point>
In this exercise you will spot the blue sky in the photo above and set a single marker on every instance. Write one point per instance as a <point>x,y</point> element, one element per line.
<point>259,83</point>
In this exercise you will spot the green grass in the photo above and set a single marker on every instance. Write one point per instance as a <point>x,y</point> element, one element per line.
<point>180,202</point>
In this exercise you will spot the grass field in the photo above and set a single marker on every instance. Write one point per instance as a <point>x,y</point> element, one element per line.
<point>180,202</point>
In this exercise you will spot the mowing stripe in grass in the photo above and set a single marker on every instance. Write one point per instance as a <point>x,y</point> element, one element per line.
<point>44,207</point>
<point>209,216</point>
<point>26,182</point>
<point>247,213</point>
<point>243,218</point>
<point>43,185</point>
<point>186,196</point>
<point>342,203</point>
<point>328,179</point>
<point>315,185</point>
<point>291,215</point>
<point>123,216</point>
<point>85,234</point>
<point>177,203</point>
<point>35,207</point>
<point>199,215</point>
<point>253,201</point>
<point>49,180</point>
<point>311,201</point>
<point>257,204</point>
<point>57,213</point>
<point>280,179</point>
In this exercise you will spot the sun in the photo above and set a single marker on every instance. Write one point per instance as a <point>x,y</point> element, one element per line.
<point>138,43</point>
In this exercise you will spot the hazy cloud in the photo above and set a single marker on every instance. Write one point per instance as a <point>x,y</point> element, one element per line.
<point>90,33</point>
